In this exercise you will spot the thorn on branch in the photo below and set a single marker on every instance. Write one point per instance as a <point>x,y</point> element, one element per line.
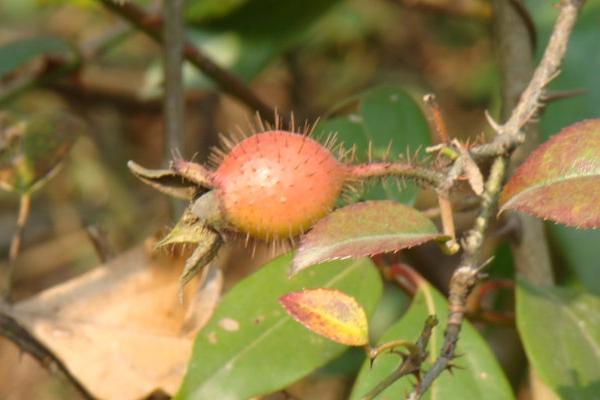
<point>411,365</point>
<point>492,122</point>
<point>550,97</point>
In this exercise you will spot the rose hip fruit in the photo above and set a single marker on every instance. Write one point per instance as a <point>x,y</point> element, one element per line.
<point>276,184</point>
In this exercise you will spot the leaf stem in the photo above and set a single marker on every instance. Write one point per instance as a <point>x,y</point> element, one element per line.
<point>412,362</point>
<point>373,352</point>
<point>396,169</point>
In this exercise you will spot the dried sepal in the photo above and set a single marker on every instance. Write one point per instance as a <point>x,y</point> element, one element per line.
<point>208,246</point>
<point>208,209</point>
<point>166,181</point>
<point>193,172</point>
<point>189,229</point>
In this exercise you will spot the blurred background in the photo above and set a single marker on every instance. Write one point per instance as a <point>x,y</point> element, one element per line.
<point>316,58</point>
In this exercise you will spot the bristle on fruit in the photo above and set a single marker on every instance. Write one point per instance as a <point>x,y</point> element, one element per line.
<point>276,184</point>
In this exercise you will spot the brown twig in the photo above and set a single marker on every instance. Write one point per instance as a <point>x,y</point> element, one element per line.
<point>229,83</point>
<point>465,277</point>
<point>98,238</point>
<point>411,363</point>
<point>12,330</point>
<point>49,70</point>
<point>24,208</point>
<point>15,244</point>
<point>173,100</point>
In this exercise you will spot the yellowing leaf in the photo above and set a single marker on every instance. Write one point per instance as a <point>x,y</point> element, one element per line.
<point>561,179</point>
<point>329,313</point>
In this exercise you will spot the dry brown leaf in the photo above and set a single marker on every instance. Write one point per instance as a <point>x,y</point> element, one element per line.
<point>119,328</point>
<point>204,302</point>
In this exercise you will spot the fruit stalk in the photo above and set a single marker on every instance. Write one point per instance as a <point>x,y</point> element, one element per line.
<point>396,169</point>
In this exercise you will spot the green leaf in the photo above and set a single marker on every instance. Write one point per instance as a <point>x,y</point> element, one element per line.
<point>329,313</point>
<point>386,114</point>
<point>479,378</point>
<point>560,180</point>
<point>31,149</point>
<point>243,36</point>
<point>364,229</point>
<point>560,330</point>
<point>15,55</point>
<point>251,346</point>
<point>390,114</point>
<point>579,249</point>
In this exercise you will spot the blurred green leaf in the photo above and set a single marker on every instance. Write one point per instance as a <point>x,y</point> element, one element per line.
<point>32,148</point>
<point>560,330</point>
<point>579,69</point>
<point>207,9</point>
<point>479,378</point>
<point>248,346</point>
<point>391,115</point>
<point>16,54</point>
<point>386,114</point>
<point>580,250</point>
<point>264,19</point>
<point>243,36</point>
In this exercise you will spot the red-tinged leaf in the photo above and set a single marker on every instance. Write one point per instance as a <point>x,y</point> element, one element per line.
<point>561,179</point>
<point>364,229</point>
<point>329,313</point>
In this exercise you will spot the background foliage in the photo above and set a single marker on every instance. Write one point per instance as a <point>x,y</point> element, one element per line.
<point>362,67</point>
